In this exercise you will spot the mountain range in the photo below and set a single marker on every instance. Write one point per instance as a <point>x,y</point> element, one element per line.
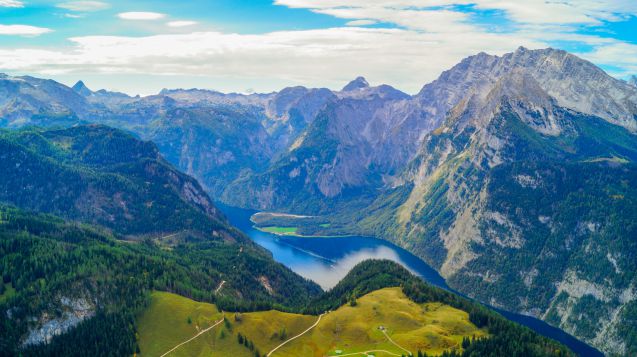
<point>103,276</point>
<point>512,175</point>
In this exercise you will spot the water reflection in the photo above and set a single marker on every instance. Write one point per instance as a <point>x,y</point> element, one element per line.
<point>327,260</point>
<point>328,273</point>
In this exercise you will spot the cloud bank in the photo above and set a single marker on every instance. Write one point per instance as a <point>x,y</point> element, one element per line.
<point>409,44</point>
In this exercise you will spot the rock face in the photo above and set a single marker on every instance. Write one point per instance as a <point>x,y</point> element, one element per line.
<point>575,83</point>
<point>520,197</point>
<point>343,154</point>
<point>72,311</point>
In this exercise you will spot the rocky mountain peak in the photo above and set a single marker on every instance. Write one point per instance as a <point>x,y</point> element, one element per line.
<point>575,84</point>
<point>82,89</point>
<point>358,83</point>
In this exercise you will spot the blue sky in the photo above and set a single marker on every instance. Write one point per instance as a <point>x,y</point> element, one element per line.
<point>263,45</point>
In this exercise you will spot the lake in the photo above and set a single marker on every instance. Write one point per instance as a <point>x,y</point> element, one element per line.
<point>327,260</point>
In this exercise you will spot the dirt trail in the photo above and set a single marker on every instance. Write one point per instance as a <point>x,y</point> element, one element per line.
<point>395,344</point>
<point>195,336</point>
<point>297,336</point>
<point>367,353</point>
<point>219,287</point>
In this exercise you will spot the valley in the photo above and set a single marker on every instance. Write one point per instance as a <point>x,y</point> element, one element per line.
<point>325,261</point>
<point>506,181</point>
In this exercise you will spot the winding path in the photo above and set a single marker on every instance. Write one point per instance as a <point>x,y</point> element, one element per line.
<point>195,336</point>
<point>297,336</point>
<point>395,344</point>
<point>367,353</point>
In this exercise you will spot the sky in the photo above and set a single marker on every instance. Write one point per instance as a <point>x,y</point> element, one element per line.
<point>140,47</point>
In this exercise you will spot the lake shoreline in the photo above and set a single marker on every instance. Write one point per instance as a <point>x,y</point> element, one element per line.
<point>310,257</point>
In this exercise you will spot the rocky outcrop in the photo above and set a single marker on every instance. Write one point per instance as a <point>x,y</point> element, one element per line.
<point>72,312</point>
<point>510,197</point>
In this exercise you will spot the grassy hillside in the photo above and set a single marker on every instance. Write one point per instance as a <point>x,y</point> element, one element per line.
<point>429,327</point>
<point>414,315</point>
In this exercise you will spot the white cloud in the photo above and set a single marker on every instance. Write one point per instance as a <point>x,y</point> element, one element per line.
<point>84,6</point>
<point>622,55</point>
<point>427,41</point>
<point>11,3</point>
<point>23,30</point>
<point>182,23</point>
<point>327,57</point>
<point>527,11</point>
<point>424,20</point>
<point>140,15</point>
<point>360,23</point>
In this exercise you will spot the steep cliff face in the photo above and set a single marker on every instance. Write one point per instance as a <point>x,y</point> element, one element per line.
<point>342,156</point>
<point>524,202</point>
<point>574,83</point>
<point>371,133</point>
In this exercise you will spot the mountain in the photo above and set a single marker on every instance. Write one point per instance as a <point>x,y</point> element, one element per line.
<point>344,154</point>
<point>575,84</point>
<point>633,80</point>
<point>101,97</point>
<point>131,224</point>
<point>509,174</point>
<point>25,100</point>
<point>521,198</point>
<point>358,83</point>
<point>104,176</point>
<point>81,89</point>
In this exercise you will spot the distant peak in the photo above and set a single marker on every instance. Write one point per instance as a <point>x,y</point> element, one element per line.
<point>633,80</point>
<point>82,89</point>
<point>358,83</point>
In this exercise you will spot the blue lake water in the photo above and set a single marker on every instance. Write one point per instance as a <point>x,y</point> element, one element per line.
<point>327,260</point>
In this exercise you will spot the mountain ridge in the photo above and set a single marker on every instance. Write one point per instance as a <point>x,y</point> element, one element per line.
<point>439,172</point>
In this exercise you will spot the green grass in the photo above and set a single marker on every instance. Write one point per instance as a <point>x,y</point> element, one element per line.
<point>280,230</point>
<point>431,327</point>
<point>293,232</point>
<point>164,324</point>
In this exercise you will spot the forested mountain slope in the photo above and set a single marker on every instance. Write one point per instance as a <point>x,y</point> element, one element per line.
<point>157,230</point>
<point>102,175</point>
<point>78,287</point>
